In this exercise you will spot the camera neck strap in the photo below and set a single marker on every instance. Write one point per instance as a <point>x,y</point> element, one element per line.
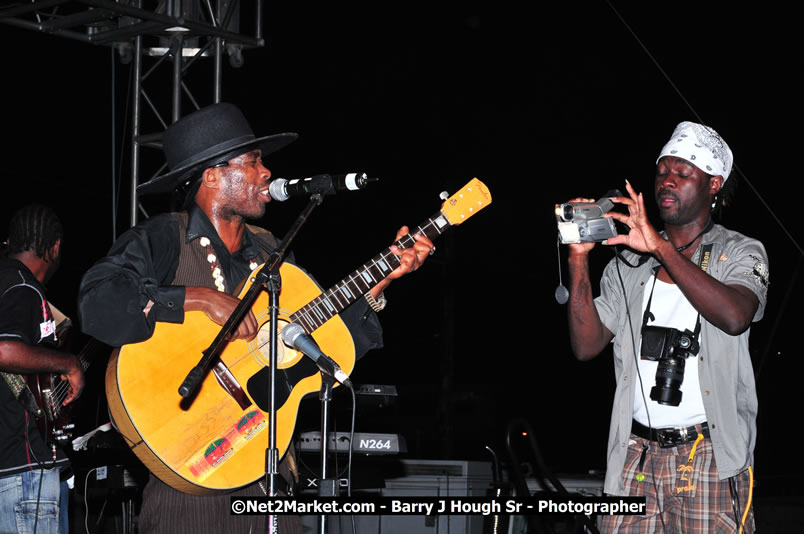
<point>643,258</point>
<point>710,223</point>
<point>703,263</point>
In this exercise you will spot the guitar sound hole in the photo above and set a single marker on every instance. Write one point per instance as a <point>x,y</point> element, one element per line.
<point>284,354</point>
<point>286,379</point>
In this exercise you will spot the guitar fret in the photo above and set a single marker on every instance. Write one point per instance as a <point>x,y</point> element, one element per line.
<point>346,293</point>
<point>406,242</point>
<point>335,294</point>
<point>305,323</point>
<point>382,265</point>
<point>438,225</point>
<point>393,260</point>
<point>356,280</point>
<point>375,271</point>
<point>320,315</point>
<point>324,307</point>
<point>329,305</point>
<point>302,311</point>
<point>355,285</point>
<point>367,276</point>
<point>313,320</point>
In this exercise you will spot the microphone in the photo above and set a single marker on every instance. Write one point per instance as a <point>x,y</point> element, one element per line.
<point>293,335</point>
<point>326,184</point>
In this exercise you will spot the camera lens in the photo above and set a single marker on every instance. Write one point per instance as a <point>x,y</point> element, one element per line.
<point>669,376</point>
<point>567,212</point>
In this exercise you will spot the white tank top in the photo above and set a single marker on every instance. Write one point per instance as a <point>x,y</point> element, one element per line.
<point>671,309</point>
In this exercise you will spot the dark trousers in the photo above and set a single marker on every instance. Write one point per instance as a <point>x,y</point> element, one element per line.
<point>168,511</point>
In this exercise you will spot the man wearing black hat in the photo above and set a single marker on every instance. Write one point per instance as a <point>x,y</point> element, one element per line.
<point>193,260</point>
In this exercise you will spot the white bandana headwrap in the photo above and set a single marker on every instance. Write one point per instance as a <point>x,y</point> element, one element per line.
<point>701,146</point>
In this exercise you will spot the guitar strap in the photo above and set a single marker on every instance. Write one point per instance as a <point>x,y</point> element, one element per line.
<point>23,394</point>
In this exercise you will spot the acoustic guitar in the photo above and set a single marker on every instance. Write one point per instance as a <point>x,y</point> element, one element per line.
<point>216,441</point>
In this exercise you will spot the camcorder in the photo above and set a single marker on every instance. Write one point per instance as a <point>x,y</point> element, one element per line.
<point>670,347</point>
<point>583,222</point>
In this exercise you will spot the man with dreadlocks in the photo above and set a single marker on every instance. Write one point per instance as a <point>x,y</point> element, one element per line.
<point>192,261</point>
<point>30,487</point>
<point>678,308</point>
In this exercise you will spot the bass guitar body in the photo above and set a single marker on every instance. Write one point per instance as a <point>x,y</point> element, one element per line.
<point>216,441</point>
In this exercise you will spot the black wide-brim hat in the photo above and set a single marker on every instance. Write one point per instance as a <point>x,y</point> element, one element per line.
<point>211,135</point>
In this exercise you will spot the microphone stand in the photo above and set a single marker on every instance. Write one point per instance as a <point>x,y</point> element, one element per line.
<point>268,276</point>
<point>328,487</point>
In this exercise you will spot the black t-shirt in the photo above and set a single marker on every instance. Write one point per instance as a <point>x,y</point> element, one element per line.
<point>24,317</point>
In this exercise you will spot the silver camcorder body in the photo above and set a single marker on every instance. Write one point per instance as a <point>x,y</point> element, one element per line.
<point>583,222</point>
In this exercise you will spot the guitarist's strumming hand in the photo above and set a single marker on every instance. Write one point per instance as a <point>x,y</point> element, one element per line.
<point>218,307</point>
<point>410,258</point>
<point>17,357</point>
<point>74,377</point>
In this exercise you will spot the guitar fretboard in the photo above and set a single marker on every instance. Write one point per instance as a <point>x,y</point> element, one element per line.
<point>335,299</point>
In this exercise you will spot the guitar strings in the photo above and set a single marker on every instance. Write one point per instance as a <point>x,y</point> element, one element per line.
<point>304,314</point>
<point>62,389</point>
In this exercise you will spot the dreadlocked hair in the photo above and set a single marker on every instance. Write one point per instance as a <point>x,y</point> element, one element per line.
<point>34,227</point>
<point>725,197</point>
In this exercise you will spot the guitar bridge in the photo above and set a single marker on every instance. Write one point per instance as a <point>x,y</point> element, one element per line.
<point>230,385</point>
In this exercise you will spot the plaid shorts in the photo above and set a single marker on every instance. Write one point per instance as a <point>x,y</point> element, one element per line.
<point>682,496</point>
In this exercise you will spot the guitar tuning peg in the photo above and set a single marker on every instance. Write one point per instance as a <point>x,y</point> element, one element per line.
<point>443,195</point>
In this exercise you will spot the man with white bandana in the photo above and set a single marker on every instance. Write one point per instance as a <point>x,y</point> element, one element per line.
<point>688,447</point>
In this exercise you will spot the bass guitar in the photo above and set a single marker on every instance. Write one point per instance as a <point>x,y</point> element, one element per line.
<point>49,391</point>
<point>210,444</point>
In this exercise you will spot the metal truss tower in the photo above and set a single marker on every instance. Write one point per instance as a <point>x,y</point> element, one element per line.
<point>163,41</point>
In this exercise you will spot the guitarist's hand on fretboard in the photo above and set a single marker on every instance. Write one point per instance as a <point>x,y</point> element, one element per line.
<point>410,258</point>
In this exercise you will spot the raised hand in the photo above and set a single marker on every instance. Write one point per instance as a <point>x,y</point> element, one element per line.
<point>642,235</point>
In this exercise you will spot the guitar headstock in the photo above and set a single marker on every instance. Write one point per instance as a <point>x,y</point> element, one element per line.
<point>470,199</point>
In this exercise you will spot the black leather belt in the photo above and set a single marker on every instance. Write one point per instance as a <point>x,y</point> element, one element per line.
<point>669,437</point>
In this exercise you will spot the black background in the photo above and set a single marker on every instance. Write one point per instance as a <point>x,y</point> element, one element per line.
<point>541,104</point>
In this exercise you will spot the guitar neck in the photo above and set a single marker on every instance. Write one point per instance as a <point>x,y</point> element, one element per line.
<point>360,281</point>
<point>89,352</point>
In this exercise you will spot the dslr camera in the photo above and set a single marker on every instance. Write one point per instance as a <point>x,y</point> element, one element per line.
<point>580,222</point>
<point>670,347</point>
